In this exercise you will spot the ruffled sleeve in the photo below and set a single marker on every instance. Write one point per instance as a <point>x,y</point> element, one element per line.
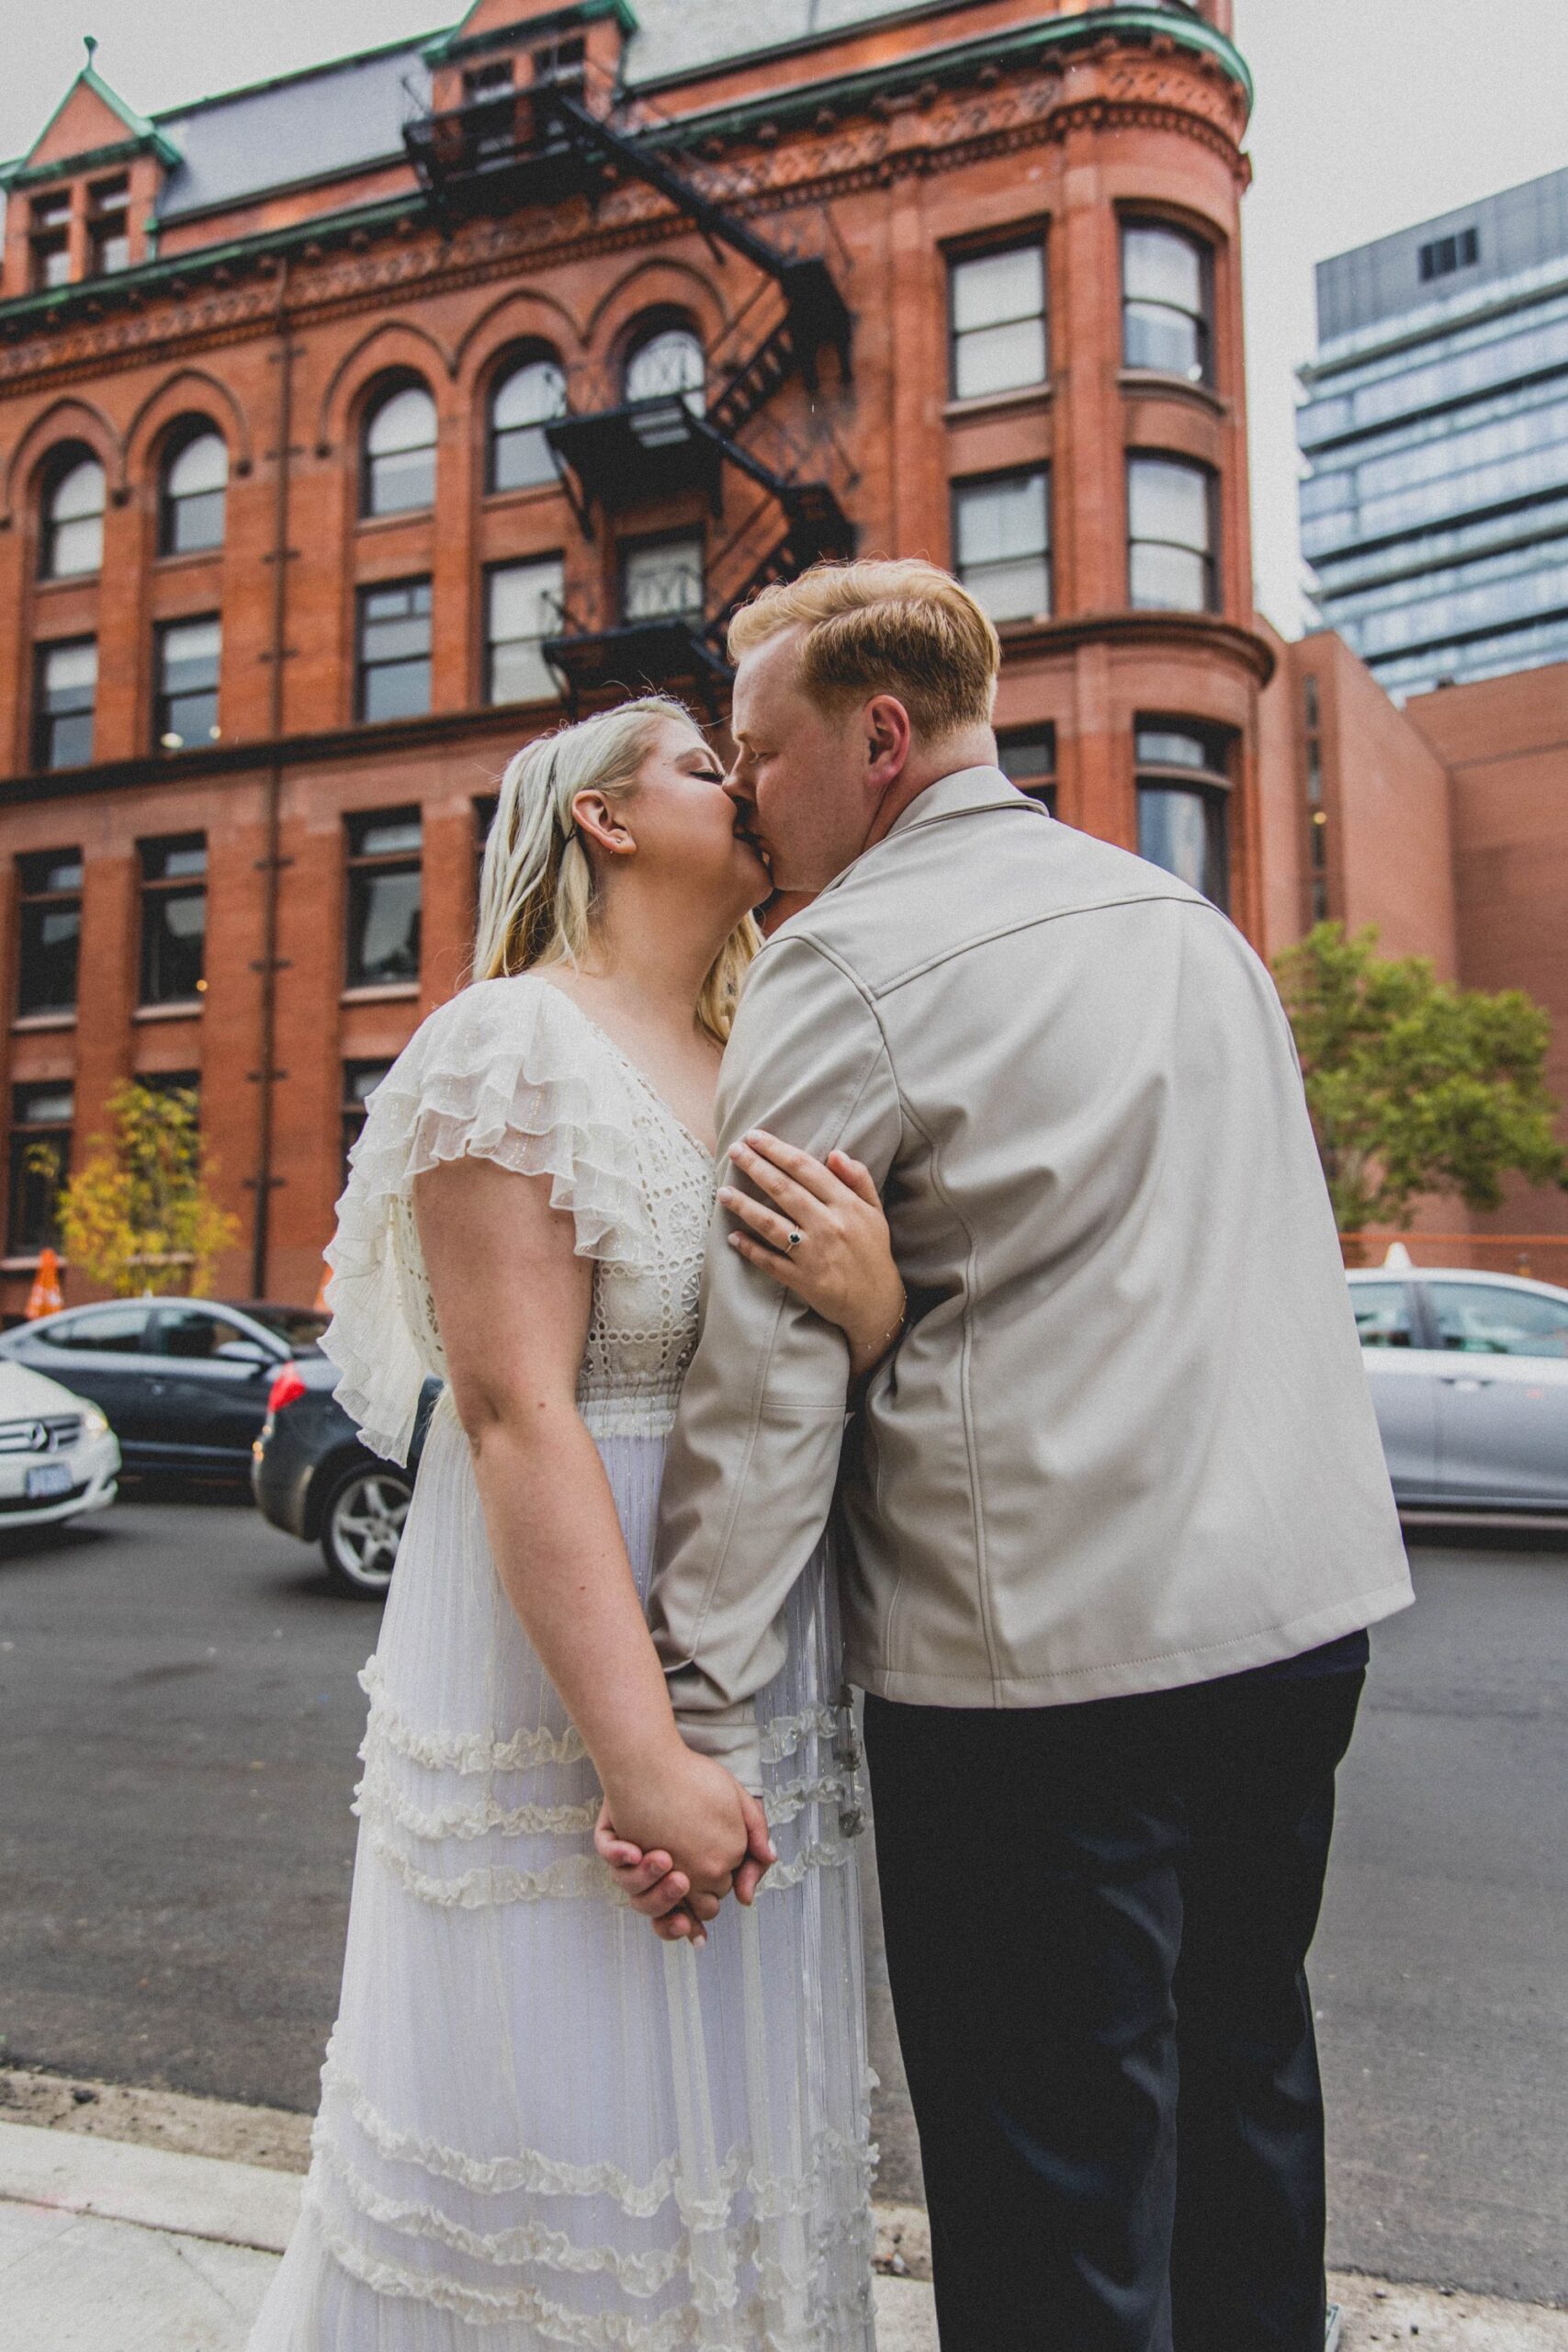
<point>508,1070</point>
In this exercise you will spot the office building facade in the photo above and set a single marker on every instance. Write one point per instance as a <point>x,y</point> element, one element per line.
<point>1434,425</point>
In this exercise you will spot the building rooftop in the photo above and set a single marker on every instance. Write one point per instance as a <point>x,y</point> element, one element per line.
<point>332,118</point>
<point>341,116</point>
<point>1459,252</point>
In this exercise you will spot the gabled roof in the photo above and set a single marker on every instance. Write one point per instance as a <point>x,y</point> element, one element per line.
<point>91,121</point>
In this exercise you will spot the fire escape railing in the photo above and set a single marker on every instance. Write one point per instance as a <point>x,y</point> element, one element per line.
<point>544,141</point>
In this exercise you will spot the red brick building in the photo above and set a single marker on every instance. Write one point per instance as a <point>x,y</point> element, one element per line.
<point>350,424</point>
<point>1446,824</point>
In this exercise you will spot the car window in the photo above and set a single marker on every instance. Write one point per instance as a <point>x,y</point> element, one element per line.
<point>1383,1315</point>
<point>299,1326</point>
<point>1478,1318</point>
<point>108,1330</point>
<point>197,1331</point>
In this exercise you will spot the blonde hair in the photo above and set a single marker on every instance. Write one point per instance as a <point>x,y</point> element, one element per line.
<point>903,628</point>
<point>538,899</point>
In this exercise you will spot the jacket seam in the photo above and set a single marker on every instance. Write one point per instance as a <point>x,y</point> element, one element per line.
<point>1359,1600</point>
<point>1038,922</point>
<point>766,1354</point>
<point>966,1352</point>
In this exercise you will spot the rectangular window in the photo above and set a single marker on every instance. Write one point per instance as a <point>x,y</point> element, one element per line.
<point>63,703</point>
<point>1028,758</point>
<point>996,321</point>
<point>50,924</point>
<point>109,226</point>
<point>174,919</point>
<point>186,702</point>
<point>50,238</point>
<point>394,650</point>
<point>1001,533</point>
<point>40,1160</point>
<point>1445,255</point>
<point>523,607</point>
<point>1167,302</point>
<point>485,808</point>
<point>662,579</point>
<point>561,61</point>
<point>383,898</point>
<point>486,81</point>
<point>1171,534</point>
<point>360,1080</point>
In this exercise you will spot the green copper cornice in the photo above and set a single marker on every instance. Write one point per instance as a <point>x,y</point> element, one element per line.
<point>1028,44</point>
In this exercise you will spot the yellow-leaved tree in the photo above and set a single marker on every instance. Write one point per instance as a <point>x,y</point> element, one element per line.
<point>138,1215</point>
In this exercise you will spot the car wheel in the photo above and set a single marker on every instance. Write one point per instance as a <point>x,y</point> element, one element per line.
<point>361,1522</point>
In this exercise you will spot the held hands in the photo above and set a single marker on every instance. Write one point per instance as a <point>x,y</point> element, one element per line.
<point>679,1838</point>
<point>819,1231</point>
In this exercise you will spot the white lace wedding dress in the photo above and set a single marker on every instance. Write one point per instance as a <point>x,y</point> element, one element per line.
<point>539,2125</point>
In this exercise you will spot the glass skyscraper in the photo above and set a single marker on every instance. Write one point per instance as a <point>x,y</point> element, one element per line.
<point>1435,428</point>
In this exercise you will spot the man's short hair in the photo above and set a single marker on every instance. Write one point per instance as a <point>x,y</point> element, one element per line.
<point>905,628</point>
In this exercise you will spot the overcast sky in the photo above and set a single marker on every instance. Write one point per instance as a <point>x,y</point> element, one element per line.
<point>1371,113</point>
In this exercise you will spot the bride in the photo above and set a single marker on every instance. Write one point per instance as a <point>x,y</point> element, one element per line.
<point>538,2120</point>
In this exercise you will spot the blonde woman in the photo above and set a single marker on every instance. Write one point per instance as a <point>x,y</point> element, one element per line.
<point>536,2120</point>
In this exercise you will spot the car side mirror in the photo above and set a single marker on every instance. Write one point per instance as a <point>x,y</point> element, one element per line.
<point>249,1352</point>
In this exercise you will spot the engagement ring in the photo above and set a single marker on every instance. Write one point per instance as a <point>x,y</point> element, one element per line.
<point>793,1244</point>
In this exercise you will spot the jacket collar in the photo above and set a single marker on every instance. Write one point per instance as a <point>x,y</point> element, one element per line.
<point>963,794</point>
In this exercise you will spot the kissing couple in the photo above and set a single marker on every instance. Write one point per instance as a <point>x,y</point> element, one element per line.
<point>1012,1378</point>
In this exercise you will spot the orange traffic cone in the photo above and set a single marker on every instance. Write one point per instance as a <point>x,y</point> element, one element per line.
<point>46,1296</point>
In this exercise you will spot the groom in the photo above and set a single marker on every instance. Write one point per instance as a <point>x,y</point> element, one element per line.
<point>1115,1511</point>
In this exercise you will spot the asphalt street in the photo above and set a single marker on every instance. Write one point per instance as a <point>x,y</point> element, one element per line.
<point>178,1721</point>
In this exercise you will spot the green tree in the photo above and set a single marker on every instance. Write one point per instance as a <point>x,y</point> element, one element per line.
<point>138,1215</point>
<point>1414,1086</point>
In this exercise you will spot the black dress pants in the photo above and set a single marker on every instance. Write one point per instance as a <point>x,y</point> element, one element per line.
<point>1096,1921</point>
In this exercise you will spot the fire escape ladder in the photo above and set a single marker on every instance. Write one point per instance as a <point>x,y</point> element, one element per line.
<point>818,314</point>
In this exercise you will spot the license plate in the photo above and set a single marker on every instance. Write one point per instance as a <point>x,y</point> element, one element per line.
<point>51,1478</point>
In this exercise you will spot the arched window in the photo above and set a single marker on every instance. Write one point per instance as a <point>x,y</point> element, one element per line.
<point>670,362</point>
<point>1167,302</point>
<point>195,480</point>
<point>399,453</point>
<point>73,521</point>
<point>522,403</point>
<point>1172,535</point>
<point>1183,803</point>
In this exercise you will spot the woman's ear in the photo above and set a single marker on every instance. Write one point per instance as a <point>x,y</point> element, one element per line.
<point>600,821</point>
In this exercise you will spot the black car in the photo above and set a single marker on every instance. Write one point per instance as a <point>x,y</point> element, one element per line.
<point>312,1476</point>
<point>184,1382</point>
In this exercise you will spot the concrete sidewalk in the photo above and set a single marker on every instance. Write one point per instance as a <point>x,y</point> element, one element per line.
<point>132,2221</point>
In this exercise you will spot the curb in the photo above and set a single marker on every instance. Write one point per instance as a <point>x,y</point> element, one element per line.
<point>79,2158</point>
<point>113,2180</point>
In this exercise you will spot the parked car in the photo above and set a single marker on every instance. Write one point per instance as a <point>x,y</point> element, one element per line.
<point>312,1478</point>
<point>183,1380</point>
<point>58,1454</point>
<point>1469,1374</point>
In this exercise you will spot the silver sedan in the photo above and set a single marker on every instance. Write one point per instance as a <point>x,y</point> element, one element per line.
<point>1470,1377</point>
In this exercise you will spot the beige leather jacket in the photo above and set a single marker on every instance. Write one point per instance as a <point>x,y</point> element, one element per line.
<point>1126,1441</point>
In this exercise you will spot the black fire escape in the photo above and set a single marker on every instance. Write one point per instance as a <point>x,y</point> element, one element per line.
<point>541,143</point>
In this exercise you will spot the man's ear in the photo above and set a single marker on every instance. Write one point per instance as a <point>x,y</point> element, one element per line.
<point>600,821</point>
<point>887,739</point>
